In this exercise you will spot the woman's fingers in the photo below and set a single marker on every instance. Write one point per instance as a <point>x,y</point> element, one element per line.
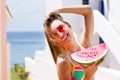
<point>91,69</point>
<point>98,63</point>
<point>93,66</point>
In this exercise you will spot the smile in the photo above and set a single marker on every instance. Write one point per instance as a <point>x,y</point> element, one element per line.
<point>65,37</point>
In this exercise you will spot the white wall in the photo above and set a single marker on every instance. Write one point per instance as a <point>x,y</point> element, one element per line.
<point>95,4</point>
<point>71,2</point>
<point>114,19</point>
<point>114,14</point>
<point>52,5</point>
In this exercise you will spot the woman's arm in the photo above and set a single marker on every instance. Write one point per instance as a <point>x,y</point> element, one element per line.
<point>91,70</point>
<point>87,12</point>
<point>63,69</point>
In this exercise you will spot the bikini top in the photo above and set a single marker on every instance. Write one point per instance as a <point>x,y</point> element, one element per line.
<point>77,73</point>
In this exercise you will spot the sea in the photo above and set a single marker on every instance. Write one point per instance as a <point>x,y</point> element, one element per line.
<point>24,44</point>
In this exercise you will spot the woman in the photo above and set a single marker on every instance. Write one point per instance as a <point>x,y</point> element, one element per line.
<point>62,42</point>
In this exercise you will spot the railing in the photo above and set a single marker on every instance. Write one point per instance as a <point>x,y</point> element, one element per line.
<point>108,34</point>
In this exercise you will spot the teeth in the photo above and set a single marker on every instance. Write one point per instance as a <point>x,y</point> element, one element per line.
<point>65,36</point>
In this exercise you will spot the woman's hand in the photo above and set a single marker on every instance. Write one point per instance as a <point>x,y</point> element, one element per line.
<point>91,70</point>
<point>54,11</point>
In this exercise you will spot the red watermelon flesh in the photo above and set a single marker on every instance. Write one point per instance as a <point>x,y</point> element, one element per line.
<point>90,55</point>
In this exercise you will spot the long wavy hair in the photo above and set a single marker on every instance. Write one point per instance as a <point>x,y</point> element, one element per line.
<point>55,47</point>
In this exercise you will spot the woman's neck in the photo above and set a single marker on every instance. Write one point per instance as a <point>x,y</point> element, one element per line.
<point>71,48</point>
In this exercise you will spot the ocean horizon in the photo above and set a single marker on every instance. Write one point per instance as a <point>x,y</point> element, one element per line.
<point>24,44</point>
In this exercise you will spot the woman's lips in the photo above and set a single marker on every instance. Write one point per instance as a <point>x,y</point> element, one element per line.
<point>65,37</point>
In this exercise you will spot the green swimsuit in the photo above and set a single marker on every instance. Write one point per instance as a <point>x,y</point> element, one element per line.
<point>77,73</point>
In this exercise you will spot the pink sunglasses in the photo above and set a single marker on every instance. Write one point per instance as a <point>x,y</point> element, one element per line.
<point>61,28</point>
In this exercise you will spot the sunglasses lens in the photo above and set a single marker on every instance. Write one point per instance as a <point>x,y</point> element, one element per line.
<point>61,28</point>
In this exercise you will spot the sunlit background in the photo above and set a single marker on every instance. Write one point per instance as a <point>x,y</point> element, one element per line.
<point>26,40</point>
<point>25,31</point>
<point>27,15</point>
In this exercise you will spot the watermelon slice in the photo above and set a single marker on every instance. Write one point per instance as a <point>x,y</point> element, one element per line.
<point>90,55</point>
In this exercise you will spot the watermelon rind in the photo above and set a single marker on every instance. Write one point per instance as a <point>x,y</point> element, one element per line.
<point>87,63</point>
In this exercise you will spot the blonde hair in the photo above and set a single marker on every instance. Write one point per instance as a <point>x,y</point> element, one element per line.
<point>55,47</point>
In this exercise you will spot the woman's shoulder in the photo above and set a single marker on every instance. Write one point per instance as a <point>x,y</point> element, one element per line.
<point>61,61</point>
<point>63,64</point>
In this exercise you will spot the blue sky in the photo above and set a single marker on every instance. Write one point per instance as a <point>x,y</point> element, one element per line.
<point>27,15</point>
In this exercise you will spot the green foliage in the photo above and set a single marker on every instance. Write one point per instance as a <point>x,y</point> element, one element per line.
<point>18,73</point>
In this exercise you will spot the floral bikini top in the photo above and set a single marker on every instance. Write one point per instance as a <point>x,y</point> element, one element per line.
<point>77,73</point>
